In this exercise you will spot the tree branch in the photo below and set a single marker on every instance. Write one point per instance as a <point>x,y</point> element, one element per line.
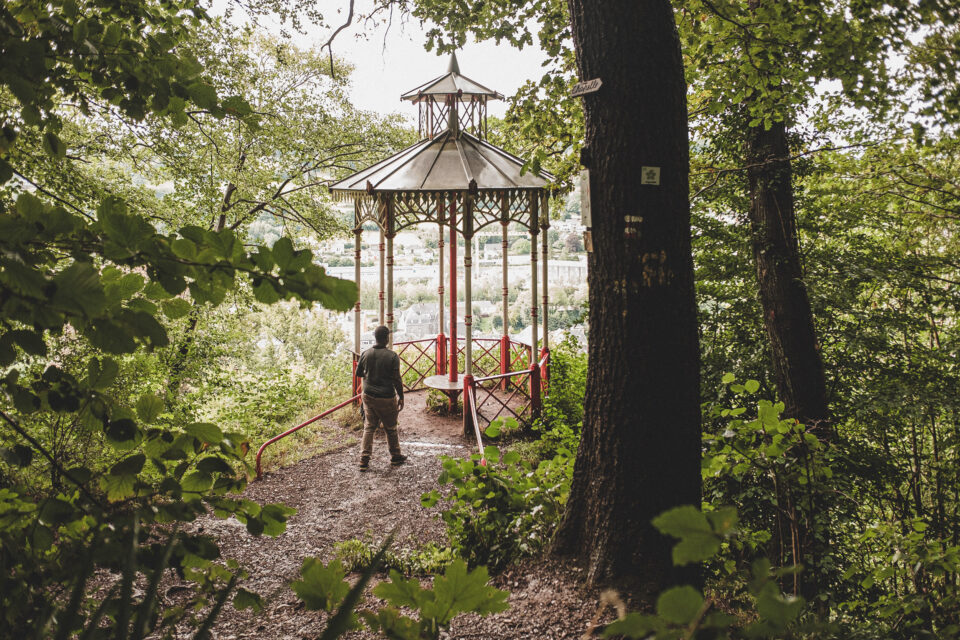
<point>329,43</point>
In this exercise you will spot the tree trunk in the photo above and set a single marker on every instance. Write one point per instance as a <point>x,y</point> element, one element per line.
<point>788,320</point>
<point>787,317</point>
<point>640,449</point>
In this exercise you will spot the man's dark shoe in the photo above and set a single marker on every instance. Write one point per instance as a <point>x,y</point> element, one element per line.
<point>364,464</point>
<point>396,461</point>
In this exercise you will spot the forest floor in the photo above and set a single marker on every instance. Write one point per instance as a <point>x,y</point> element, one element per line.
<point>336,502</point>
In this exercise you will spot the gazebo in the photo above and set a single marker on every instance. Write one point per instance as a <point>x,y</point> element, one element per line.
<point>454,178</point>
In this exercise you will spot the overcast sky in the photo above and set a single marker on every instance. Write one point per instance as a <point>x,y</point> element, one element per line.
<point>391,61</point>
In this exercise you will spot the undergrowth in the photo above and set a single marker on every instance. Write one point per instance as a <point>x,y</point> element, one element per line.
<point>360,554</point>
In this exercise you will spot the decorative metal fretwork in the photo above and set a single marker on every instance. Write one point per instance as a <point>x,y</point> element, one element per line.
<point>414,207</point>
<point>486,208</point>
<point>367,210</point>
<point>471,113</point>
<point>411,208</point>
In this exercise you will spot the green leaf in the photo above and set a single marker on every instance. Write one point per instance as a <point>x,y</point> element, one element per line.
<point>101,374</point>
<point>53,145</point>
<point>203,95</point>
<point>19,455</point>
<point>205,432</point>
<point>265,293</point>
<point>723,520</point>
<point>728,378</point>
<point>321,588</point>
<point>149,407</point>
<point>751,386</point>
<point>457,591</point>
<point>247,600</point>
<point>274,518</point>
<point>146,326</point>
<point>690,525</point>
<point>118,487</point>
<point>55,512</point>
<point>176,308</point>
<point>402,592</point>
<point>78,290</point>
<point>129,466</point>
<point>679,605</point>
<point>196,481</point>
<point>30,341</point>
<point>283,252</point>
<point>122,431</point>
<point>214,464</point>
<point>633,625</point>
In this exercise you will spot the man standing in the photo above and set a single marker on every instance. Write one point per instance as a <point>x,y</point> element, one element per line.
<point>382,396</point>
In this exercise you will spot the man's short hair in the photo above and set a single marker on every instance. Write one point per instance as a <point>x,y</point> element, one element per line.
<point>381,334</point>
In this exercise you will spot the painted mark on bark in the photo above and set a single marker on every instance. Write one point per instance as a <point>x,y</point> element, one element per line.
<point>655,269</point>
<point>631,227</point>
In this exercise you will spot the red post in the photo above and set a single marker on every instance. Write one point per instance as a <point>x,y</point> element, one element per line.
<point>441,354</point>
<point>452,371</point>
<point>535,404</point>
<point>467,409</point>
<point>504,359</point>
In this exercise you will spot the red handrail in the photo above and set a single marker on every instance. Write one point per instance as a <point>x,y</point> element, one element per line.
<point>476,423</point>
<point>297,428</point>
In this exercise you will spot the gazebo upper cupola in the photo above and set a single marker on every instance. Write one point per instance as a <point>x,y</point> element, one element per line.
<point>452,102</point>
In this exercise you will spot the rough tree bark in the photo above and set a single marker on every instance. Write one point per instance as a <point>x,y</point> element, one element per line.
<point>787,316</point>
<point>640,450</point>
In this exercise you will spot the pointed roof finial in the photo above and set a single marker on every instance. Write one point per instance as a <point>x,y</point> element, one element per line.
<point>454,66</point>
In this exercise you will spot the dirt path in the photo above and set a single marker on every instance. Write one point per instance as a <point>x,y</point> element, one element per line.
<point>335,502</point>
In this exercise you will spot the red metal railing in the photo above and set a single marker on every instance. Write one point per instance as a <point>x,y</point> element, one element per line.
<point>297,428</point>
<point>472,401</point>
<point>428,356</point>
<point>418,360</point>
<point>528,394</point>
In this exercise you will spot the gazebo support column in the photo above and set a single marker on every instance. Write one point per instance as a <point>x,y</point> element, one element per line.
<point>389,322</point>
<point>441,355</point>
<point>452,371</point>
<point>468,311</point>
<point>534,364</point>
<point>357,238</point>
<point>390,234</point>
<point>545,256</point>
<point>382,317</point>
<point>505,293</point>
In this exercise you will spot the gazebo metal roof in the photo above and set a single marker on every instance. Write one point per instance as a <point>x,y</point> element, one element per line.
<point>451,83</point>
<point>448,162</point>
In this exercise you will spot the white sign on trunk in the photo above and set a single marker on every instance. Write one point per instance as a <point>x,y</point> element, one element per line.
<point>585,219</point>
<point>649,175</point>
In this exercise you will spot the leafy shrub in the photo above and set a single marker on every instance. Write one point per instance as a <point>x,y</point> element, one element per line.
<point>685,612</point>
<point>358,555</point>
<point>324,587</point>
<point>781,474</point>
<point>503,510</point>
<point>561,421</point>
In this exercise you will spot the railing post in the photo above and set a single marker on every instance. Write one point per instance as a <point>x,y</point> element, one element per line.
<point>504,360</point>
<point>535,404</point>
<point>441,348</point>
<point>467,410</point>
